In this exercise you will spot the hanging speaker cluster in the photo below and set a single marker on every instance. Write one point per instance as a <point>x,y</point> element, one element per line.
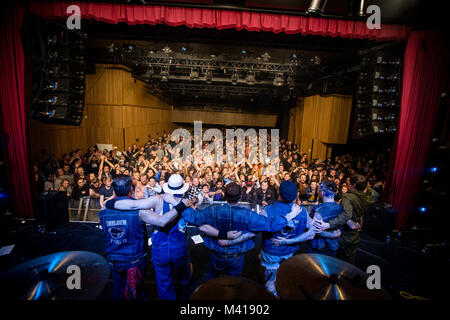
<point>59,76</point>
<point>377,98</point>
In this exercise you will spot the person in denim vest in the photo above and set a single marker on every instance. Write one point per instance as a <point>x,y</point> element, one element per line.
<point>126,240</point>
<point>227,256</point>
<point>170,254</point>
<point>327,242</point>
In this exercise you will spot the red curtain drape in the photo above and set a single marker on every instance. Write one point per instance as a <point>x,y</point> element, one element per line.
<point>220,19</point>
<point>424,78</point>
<point>14,114</point>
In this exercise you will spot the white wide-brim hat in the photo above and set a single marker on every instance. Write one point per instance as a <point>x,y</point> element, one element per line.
<point>175,185</point>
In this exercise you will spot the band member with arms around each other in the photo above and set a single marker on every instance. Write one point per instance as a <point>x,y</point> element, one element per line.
<point>354,204</point>
<point>170,254</point>
<point>126,241</point>
<point>327,242</point>
<point>272,254</point>
<point>228,257</point>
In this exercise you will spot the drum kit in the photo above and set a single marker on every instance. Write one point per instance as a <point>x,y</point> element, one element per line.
<point>302,277</point>
<point>69,275</point>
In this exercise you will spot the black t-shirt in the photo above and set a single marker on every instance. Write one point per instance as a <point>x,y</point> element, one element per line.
<point>78,192</point>
<point>106,192</point>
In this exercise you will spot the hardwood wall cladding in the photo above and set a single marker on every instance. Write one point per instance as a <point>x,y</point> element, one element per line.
<point>56,139</point>
<point>295,122</point>
<point>117,108</point>
<point>225,118</point>
<point>320,121</point>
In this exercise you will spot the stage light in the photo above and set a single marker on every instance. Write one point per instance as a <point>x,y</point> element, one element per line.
<point>434,169</point>
<point>250,79</point>
<point>234,78</point>
<point>244,51</point>
<point>266,57</point>
<point>183,49</point>
<point>131,47</point>
<point>208,76</point>
<point>278,81</point>
<point>317,7</point>
<point>193,75</point>
<point>294,56</point>
<point>356,8</point>
<point>423,209</point>
<point>166,49</point>
<point>164,74</point>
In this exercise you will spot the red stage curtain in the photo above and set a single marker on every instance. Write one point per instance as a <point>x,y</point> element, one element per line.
<point>221,19</point>
<point>424,78</point>
<point>14,114</point>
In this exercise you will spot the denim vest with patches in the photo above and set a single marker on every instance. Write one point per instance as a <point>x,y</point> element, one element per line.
<point>125,234</point>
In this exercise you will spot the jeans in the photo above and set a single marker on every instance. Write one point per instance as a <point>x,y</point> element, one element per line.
<point>230,265</point>
<point>120,281</point>
<point>170,263</point>
<point>271,263</point>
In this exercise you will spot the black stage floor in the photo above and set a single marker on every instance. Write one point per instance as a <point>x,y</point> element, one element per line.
<point>405,272</point>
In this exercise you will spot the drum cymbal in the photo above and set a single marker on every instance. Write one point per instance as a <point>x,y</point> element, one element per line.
<point>320,277</point>
<point>49,277</point>
<point>231,288</point>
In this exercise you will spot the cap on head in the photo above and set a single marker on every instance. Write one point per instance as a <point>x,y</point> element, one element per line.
<point>288,190</point>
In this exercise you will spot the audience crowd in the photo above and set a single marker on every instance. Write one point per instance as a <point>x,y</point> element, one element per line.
<point>89,173</point>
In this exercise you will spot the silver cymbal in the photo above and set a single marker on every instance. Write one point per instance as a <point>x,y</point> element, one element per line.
<point>320,277</point>
<point>231,288</point>
<point>47,277</point>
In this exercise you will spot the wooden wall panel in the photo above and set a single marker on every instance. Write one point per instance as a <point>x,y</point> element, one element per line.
<point>105,87</point>
<point>225,118</point>
<point>320,122</point>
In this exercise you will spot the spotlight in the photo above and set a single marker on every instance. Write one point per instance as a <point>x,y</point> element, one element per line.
<point>164,74</point>
<point>183,49</point>
<point>265,56</point>
<point>208,76</point>
<point>278,81</point>
<point>250,79</point>
<point>434,169</point>
<point>166,49</point>
<point>317,7</point>
<point>130,47</point>
<point>193,75</point>
<point>423,209</point>
<point>244,51</point>
<point>234,78</point>
<point>112,48</point>
<point>356,8</point>
<point>294,56</point>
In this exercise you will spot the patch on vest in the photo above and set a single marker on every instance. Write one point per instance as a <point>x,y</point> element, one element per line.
<point>116,232</point>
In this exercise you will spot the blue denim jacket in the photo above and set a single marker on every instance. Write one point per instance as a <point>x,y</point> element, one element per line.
<point>169,235</point>
<point>299,227</point>
<point>125,233</point>
<point>226,217</point>
<point>328,211</point>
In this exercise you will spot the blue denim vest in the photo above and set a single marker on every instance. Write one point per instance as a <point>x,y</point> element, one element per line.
<point>126,236</point>
<point>169,235</point>
<point>299,222</point>
<point>328,211</point>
